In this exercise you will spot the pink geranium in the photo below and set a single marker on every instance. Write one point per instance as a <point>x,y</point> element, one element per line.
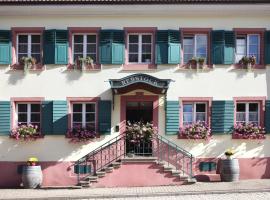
<point>197,130</point>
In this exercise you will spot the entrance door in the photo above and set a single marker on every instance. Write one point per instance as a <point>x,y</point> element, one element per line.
<point>139,111</point>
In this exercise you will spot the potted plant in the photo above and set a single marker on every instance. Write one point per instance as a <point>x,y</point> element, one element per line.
<point>26,132</point>
<point>32,174</point>
<point>27,63</point>
<point>193,62</point>
<point>197,130</point>
<point>81,134</point>
<point>248,131</point>
<point>229,170</point>
<point>248,62</point>
<point>139,137</point>
<point>83,63</point>
<point>201,61</point>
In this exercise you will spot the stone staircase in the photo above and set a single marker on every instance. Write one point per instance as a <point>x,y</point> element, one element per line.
<point>90,181</point>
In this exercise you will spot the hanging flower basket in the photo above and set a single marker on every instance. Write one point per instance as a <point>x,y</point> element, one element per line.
<point>248,131</point>
<point>81,134</point>
<point>26,132</point>
<point>198,130</point>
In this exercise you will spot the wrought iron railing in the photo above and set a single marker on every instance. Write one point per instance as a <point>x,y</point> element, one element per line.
<point>117,148</point>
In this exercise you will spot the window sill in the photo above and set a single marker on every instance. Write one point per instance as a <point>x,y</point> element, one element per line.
<point>37,67</point>
<point>195,67</point>
<point>259,66</point>
<point>238,136</point>
<point>186,138</point>
<point>139,67</point>
<point>94,67</point>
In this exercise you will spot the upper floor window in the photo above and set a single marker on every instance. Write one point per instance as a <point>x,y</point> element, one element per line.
<point>28,113</point>
<point>247,112</point>
<point>29,45</point>
<point>84,115</point>
<point>195,46</point>
<point>248,45</point>
<point>194,112</point>
<point>140,48</point>
<point>84,45</point>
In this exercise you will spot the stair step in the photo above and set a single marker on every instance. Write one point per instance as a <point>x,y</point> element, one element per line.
<point>168,168</point>
<point>184,177</point>
<point>139,159</point>
<point>109,169</point>
<point>89,178</point>
<point>176,172</point>
<point>101,174</point>
<point>116,165</point>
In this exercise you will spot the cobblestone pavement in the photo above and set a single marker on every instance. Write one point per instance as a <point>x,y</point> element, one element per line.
<point>260,189</point>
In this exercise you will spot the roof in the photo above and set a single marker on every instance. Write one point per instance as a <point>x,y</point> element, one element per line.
<point>119,2</point>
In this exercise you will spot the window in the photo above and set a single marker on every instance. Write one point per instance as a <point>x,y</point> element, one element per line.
<point>247,112</point>
<point>248,45</point>
<point>84,45</point>
<point>195,46</point>
<point>29,45</point>
<point>193,112</point>
<point>140,48</point>
<point>28,113</point>
<point>84,115</point>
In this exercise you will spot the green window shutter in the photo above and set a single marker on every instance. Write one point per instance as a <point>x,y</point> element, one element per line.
<point>4,117</point>
<point>47,117</point>
<point>5,47</point>
<point>55,46</point>
<point>222,117</point>
<point>174,47</point>
<point>267,116</point>
<point>172,117</point>
<point>105,47</point>
<point>60,117</point>
<point>267,47</point>
<point>229,47</point>
<point>162,47</point>
<point>118,46</point>
<point>218,43</point>
<point>49,46</point>
<point>104,116</point>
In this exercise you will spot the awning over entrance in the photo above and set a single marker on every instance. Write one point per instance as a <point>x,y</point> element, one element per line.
<point>139,81</point>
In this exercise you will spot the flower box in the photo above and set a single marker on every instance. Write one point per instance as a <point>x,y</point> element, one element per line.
<point>248,131</point>
<point>197,130</point>
<point>26,132</point>
<point>81,134</point>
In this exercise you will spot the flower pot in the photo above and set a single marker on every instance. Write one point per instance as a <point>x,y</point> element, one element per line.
<point>31,177</point>
<point>229,171</point>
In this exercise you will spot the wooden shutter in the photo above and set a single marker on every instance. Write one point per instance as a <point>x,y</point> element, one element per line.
<point>267,116</point>
<point>104,116</point>
<point>222,117</point>
<point>172,117</point>
<point>174,47</point>
<point>267,47</point>
<point>218,43</point>
<point>60,117</point>
<point>229,48</point>
<point>55,46</point>
<point>47,117</point>
<point>118,47</point>
<point>5,47</point>
<point>4,117</point>
<point>162,47</point>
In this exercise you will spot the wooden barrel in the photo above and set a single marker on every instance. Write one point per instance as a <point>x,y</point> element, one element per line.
<point>229,170</point>
<point>31,176</point>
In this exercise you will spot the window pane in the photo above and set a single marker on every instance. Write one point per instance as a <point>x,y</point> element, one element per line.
<point>188,49</point>
<point>187,108</point>
<point>241,41</point>
<point>146,48</point>
<point>36,56</point>
<point>90,117</point>
<point>77,117</point>
<point>77,55</point>
<point>200,107</point>
<point>253,50</point>
<point>187,117</point>
<point>23,38</point>
<point>133,57</point>
<point>35,38</point>
<point>241,107</point>
<point>91,38</point>
<point>22,117</point>
<point>253,117</point>
<point>35,107</point>
<point>91,48</point>
<point>90,107</point>
<point>146,38</point>
<point>200,117</point>
<point>77,107</point>
<point>146,58</point>
<point>78,38</point>
<point>22,48</point>
<point>253,39</point>
<point>201,39</point>
<point>22,107</point>
<point>77,124</point>
<point>241,50</point>
<point>188,41</point>
<point>78,48</point>
<point>133,48</point>
<point>35,48</point>
<point>253,107</point>
<point>93,56</point>
<point>35,117</point>
<point>187,57</point>
<point>90,126</point>
<point>241,117</point>
<point>133,38</point>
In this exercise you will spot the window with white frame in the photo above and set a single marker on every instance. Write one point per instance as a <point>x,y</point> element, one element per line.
<point>140,48</point>
<point>248,45</point>
<point>84,45</point>
<point>28,113</point>
<point>29,45</point>
<point>84,115</point>
<point>247,112</point>
<point>194,112</point>
<point>195,46</point>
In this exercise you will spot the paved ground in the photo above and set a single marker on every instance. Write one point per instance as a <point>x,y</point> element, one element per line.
<point>248,189</point>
